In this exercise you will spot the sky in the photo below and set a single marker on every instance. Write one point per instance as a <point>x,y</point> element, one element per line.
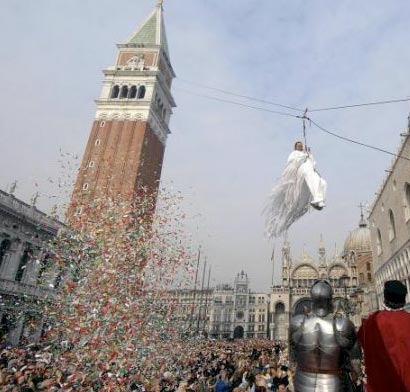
<point>223,158</point>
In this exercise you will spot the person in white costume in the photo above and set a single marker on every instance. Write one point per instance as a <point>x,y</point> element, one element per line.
<point>299,187</point>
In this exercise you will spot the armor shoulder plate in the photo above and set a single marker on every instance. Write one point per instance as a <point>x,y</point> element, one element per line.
<point>345,332</point>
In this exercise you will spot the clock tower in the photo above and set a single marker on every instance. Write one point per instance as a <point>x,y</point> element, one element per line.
<point>125,149</point>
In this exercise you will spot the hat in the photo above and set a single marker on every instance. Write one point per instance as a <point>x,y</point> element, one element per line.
<point>394,294</point>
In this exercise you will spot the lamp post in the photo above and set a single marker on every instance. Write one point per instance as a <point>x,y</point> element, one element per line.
<point>268,317</point>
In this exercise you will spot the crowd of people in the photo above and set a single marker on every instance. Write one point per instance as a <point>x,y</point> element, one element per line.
<point>204,366</point>
<point>254,365</point>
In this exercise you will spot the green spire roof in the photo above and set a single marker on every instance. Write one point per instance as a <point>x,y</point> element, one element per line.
<point>152,31</point>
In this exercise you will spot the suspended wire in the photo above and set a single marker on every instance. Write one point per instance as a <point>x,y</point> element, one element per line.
<point>237,103</point>
<point>241,95</point>
<point>357,142</point>
<point>304,118</point>
<point>371,103</point>
<point>361,104</point>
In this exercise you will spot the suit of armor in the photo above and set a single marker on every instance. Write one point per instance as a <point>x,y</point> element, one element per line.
<point>320,342</point>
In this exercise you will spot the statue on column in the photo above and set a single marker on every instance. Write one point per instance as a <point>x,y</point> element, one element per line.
<point>13,187</point>
<point>34,199</point>
<point>321,344</point>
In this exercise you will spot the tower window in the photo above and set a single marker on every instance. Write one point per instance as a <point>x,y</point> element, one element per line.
<point>102,124</point>
<point>78,211</point>
<point>392,226</point>
<point>141,92</point>
<point>91,164</point>
<point>85,187</point>
<point>133,92</point>
<point>115,91</point>
<point>124,92</point>
<point>97,142</point>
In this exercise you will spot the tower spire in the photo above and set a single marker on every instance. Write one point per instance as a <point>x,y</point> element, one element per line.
<point>160,3</point>
<point>322,251</point>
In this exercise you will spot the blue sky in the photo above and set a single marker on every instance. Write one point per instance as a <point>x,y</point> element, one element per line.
<point>223,158</point>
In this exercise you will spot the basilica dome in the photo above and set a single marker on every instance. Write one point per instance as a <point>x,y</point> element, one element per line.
<point>358,240</point>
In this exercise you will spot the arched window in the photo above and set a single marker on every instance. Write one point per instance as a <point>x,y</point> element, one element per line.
<point>133,92</point>
<point>141,92</point>
<point>124,92</point>
<point>379,243</point>
<point>27,255</point>
<point>4,247</point>
<point>392,226</point>
<point>115,91</point>
<point>407,201</point>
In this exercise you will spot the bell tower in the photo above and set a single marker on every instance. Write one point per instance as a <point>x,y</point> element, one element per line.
<point>125,149</point>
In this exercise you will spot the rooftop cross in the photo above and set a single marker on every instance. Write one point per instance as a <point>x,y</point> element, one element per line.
<point>362,222</point>
<point>361,206</point>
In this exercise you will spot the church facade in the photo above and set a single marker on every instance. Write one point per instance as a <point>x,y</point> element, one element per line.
<point>354,291</point>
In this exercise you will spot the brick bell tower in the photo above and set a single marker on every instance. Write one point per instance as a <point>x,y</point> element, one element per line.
<point>125,149</point>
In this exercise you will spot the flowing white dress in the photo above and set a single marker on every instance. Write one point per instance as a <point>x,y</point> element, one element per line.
<point>298,186</point>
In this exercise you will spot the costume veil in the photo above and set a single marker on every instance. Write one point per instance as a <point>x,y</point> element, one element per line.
<point>290,198</point>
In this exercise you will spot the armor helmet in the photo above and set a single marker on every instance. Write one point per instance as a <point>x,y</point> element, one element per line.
<point>322,293</point>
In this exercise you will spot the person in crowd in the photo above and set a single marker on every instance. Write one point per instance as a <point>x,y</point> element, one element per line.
<point>282,388</point>
<point>384,337</point>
